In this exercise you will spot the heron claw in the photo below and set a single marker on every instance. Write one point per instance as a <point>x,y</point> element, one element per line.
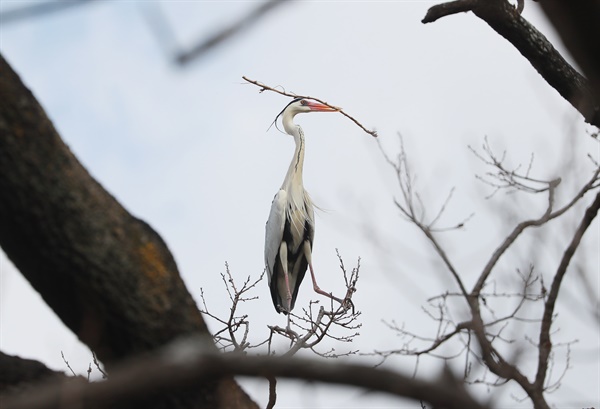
<point>347,304</point>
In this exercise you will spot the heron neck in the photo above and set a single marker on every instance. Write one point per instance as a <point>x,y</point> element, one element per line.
<point>294,173</point>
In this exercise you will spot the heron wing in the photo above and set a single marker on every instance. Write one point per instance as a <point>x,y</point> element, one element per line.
<point>274,232</point>
<point>291,226</point>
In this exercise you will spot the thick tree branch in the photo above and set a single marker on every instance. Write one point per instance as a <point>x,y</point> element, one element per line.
<point>577,25</point>
<point>497,364</point>
<point>188,362</point>
<point>108,275</point>
<point>533,45</point>
<point>446,9</point>
<point>18,375</point>
<point>545,344</point>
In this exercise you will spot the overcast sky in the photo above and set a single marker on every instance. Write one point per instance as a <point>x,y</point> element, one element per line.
<point>187,150</point>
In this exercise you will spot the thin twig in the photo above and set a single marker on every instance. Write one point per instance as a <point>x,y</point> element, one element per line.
<point>67,363</point>
<point>264,87</point>
<point>104,374</point>
<point>548,215</point>
<point>413,209</point>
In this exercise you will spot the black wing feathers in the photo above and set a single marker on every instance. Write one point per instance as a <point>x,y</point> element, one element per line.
<point>297,264</point>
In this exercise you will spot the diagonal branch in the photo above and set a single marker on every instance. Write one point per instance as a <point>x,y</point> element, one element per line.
<point>533,45</point>
<point>577,24</point>
<point>229,31</point>
<point>38,9</point>
<point>545,345</point>
<point>548,215</point>
<point>412,208</point>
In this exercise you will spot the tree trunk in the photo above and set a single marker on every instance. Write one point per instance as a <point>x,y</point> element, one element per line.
<point>108,275</point>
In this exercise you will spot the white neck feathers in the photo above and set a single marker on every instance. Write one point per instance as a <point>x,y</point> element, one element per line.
<point>293,178</point>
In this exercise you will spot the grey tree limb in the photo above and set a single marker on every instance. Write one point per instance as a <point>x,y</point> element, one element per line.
<point>534,46</point>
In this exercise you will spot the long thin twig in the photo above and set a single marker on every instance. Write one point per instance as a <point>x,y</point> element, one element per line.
<point>413,209</point>
<point>318,325</point>
<point>548,215</point>
<point>264,87</point>
<point>67,363</point>
<point>102,371</point>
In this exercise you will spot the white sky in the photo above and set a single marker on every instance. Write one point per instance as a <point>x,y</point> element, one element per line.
<point>186,150</point>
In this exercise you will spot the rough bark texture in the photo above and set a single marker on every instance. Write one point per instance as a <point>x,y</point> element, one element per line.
<point>501,16</point>
<point>577,25</point>
<point>107,275</point>
<point>534,46</point>
<point>19,375</point>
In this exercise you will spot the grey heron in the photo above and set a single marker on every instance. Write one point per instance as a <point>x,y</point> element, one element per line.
<point>290,229</point>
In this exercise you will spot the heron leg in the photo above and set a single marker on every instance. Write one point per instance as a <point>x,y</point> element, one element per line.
<point>308,255</point>
<point>286,276</point>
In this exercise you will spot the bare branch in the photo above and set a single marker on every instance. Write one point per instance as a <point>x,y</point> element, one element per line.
<point>38,9</point>
<point>545,344</point>
<point>104,374</point>
<point>67,363</point>
<point>317,326</point>
<point>435,343</point>
<point>548,215</point>
<point>500,177</point>
<point>189,361</point>
<point>576,23</point>
<point>490,355</point>
<point>445,9</point>
<point>234,322</point>
<point>412,208</point>
<point>304,331</point>
<point>487,332</point>
<point>272,392</point>
<point>534,46</point>
<point>264,87</point>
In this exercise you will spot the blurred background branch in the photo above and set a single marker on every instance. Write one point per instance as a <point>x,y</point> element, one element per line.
<point>38,9</point>
<point>190,361</point>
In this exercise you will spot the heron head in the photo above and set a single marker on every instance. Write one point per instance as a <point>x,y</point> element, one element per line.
<point>301,105</point>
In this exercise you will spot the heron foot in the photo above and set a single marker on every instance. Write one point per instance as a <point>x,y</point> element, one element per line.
<point>289,331</point>
<point>347,304</point>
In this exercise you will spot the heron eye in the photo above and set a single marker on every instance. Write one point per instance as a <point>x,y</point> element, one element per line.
<point>303,102</point>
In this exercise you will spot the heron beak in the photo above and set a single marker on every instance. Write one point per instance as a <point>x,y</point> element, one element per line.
<point>317,106</point>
